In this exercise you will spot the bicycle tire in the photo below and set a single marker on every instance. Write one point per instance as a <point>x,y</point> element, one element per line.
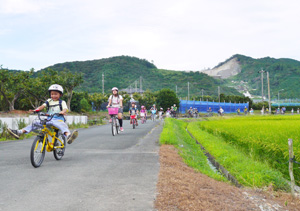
<point>36,154</point>
<point>113,126</point>
<point>117,126</point>
<point>59,153</point>
<point>133,123</point>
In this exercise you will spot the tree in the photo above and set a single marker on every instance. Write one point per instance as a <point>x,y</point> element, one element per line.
<point>97,99</point>
<point>13,85</point>
<point>167,98</point>
<point>69,81</point>
<point>85,106</point>
<point>37,87</point>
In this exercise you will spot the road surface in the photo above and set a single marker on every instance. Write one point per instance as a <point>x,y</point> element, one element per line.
<point>98,172</point>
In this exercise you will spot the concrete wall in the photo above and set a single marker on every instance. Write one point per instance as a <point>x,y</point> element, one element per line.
<point>13,122</point>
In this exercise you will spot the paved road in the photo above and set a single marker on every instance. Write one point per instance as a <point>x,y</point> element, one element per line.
<point>98,172</point>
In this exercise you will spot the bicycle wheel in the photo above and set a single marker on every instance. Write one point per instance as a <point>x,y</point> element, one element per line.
<point>113,126</point>
<point>59,152</point>
<point>37,154</point>
<point>117,126</point>
<point>133,123</point>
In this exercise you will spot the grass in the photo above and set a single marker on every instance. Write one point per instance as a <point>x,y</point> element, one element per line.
<point>248,172</point>
<point>263,138</point>
<point>174,133</point>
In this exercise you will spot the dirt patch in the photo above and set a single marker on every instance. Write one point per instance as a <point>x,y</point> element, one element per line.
<point>14,113</point>
<point>182,188</point>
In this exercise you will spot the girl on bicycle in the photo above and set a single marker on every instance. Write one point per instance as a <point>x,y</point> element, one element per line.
<point>133,111</point>
<point>160,113</point>
<point>168,112</point>
<point>116,101</point>
<point>53,105</point>
<point>143,112</point>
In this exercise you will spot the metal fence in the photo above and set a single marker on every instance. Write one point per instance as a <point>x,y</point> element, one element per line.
<point>203,106</point>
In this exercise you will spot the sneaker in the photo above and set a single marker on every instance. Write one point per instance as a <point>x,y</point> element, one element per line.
<point>72,137</point>
<point>110,120</point>
<point>14,133</point>
<point>121,129</point>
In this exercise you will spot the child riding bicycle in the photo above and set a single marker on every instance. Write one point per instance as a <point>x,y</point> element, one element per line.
<point>53,105</point>
<point>116,101</point>
<point>143,113</point>
<point>133,111</point>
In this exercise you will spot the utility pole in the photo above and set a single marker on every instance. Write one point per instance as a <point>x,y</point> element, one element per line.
<point>262,84</point>
<point>141,85</point>
<point>219,93</point>
<point>103,83</point>
<point>269,92</point>
<point>135,86</point>
<point>130,90</point>
<point>188,91</point>
<point>176,90</point>
<point>202,94</point>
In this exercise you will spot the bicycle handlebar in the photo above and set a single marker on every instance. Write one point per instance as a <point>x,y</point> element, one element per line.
<point>48,115</point>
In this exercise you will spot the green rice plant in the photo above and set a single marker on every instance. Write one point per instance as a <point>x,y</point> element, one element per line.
<point>248,172</point>
<point>174,133</point>
<point>262,138</point>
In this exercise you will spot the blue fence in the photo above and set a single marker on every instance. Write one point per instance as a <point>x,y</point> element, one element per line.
<point>203,106</point>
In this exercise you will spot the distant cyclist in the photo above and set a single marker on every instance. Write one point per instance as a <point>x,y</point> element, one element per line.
<point>116,101</point>
<point>160,113</point>
<point>143,112</point>
<point>168,112</point>
<point>133,111</point>
<point>190,112</point>
<point>153,111</point>
<point>175,110</point>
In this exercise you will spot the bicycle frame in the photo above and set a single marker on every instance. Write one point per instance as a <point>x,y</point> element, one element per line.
<point>45,132</point>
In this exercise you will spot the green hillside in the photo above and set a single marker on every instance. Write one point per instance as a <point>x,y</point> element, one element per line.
<point>123,71</point>
<point>284,74</point>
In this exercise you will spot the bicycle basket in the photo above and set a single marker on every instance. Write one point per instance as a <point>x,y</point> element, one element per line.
<point>113,111</point>
<point>132,116</point>
<point>153,111</point>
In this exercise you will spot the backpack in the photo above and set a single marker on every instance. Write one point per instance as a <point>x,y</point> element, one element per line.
<point>48,106</point>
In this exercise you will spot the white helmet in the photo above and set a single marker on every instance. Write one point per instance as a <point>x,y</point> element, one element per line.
<point>115,88</point>
<point>56,87</point>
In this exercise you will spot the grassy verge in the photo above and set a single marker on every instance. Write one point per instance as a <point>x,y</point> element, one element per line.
<point>247,171</point>
<point>174,133</point>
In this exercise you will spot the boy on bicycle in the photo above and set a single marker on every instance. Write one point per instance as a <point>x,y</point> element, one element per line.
<point>53,105</point>
<point>133,111</point>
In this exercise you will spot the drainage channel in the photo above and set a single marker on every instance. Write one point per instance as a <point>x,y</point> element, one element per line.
<point>216,165</point>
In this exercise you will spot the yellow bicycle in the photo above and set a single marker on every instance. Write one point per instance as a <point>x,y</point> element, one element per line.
<point>49,139</point>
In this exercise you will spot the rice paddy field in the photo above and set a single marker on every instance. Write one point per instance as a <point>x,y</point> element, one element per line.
<point>254,149</point>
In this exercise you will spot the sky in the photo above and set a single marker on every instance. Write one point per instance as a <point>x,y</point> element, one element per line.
<point>173,34</point>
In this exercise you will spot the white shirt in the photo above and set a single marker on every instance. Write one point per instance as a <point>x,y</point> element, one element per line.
<point>115,101</point>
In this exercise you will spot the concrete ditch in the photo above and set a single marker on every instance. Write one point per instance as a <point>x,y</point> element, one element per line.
<point>218,166</point>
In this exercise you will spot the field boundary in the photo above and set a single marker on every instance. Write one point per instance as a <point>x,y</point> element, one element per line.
<point>216,164</point>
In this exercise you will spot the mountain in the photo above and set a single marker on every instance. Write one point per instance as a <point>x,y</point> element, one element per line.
<point>242,72</point>
<point>125,71</point>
